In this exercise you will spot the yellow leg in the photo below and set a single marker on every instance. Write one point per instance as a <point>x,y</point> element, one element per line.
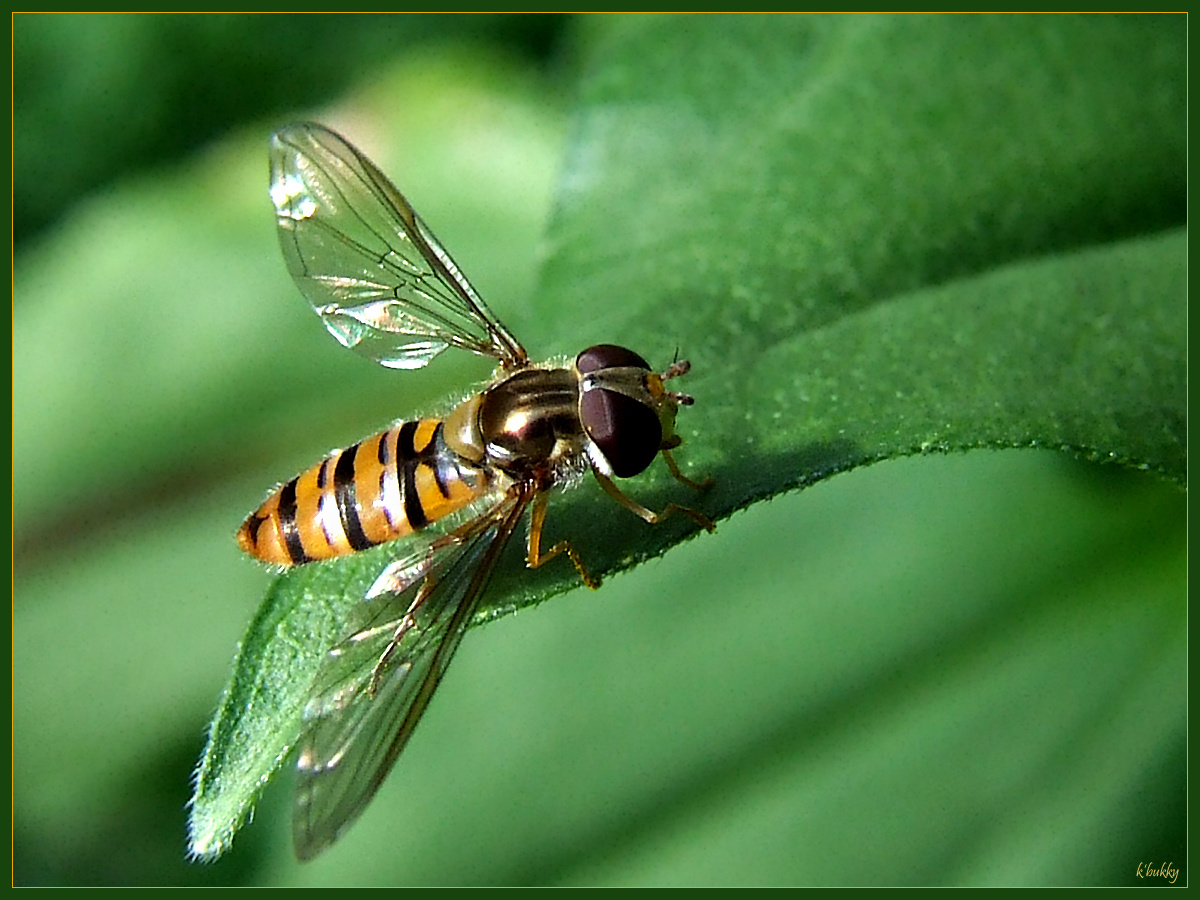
<point>648,514</point>
<point>402,629</point>
<point>673,468</point>
<point>402,574</point>
<point>535,557</point>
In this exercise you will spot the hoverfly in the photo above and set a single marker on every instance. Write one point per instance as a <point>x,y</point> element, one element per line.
<point>385,287</point>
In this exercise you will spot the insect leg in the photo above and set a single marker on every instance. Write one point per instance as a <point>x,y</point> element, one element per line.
<point>406,623</point>
<point>534,556</point>
<point>648,514</point>
<point>404,573</point>
<point>673,467</point>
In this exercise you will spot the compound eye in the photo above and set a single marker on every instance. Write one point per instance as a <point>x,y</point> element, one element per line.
<point>608,356</point>
<point>627,431</point>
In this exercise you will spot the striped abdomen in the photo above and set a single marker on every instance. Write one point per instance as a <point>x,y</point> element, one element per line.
<point>382,488</point>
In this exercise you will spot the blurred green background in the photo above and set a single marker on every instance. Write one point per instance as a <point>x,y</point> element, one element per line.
<point>936,670</point>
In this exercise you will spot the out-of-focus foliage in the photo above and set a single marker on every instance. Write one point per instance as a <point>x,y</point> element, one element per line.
<point>96,97</point>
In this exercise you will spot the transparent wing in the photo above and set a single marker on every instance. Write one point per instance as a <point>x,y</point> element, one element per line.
<point>372,270</point>
<point>371,690</point>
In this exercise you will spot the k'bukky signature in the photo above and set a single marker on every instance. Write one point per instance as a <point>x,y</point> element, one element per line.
<point>1163,870</point>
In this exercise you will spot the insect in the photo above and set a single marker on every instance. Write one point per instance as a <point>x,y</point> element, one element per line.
<point>385,287</point>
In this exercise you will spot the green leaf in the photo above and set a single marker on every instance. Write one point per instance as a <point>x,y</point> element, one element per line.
<point>873,237</point>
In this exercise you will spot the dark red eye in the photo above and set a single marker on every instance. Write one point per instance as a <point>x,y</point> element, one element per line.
<point>627,431</point>
<point>608,356</point>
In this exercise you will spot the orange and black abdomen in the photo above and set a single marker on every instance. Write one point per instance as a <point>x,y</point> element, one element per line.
<point>384,487</point>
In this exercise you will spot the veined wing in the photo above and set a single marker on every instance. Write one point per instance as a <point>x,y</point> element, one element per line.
<point>372,270</point>
<point>369,694</point>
